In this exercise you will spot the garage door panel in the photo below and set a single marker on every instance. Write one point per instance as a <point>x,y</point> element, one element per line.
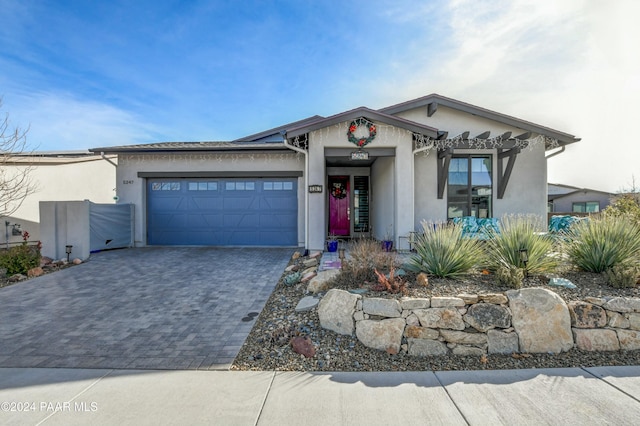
<point>206,203</point>
<point>222,212</point>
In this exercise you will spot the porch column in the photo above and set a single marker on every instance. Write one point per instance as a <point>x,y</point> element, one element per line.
<point>317,209</point>
<point>405,180</point>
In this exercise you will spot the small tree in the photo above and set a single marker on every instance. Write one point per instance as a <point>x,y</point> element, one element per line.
<point>627,203</point>
<point>15,182</point>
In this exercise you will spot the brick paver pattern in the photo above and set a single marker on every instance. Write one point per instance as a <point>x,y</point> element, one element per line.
<point>142,308</point>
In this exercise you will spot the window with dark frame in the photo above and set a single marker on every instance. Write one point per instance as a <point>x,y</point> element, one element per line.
<point>470,186</point>
<point>586,207</point>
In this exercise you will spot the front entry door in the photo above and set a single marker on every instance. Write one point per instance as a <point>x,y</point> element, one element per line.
<point>339,214</point>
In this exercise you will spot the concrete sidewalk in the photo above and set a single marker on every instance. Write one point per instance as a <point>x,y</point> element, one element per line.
<point>602,395</point>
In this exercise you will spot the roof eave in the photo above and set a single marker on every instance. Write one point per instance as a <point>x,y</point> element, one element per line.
<point>363,112</point>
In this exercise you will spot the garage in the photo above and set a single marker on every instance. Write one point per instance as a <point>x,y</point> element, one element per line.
<point>222,211</point>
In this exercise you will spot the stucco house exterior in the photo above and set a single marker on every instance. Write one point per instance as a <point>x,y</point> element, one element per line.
<point>360,172</point>
<point>572,199</point>
<point>57,175</point>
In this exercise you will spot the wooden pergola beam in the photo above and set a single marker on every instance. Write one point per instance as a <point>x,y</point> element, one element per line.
<point>432,108</point>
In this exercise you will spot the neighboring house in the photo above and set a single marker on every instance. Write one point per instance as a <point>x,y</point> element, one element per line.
<point>58,176</point>
<point>359,172</point>
<point>572,199</point>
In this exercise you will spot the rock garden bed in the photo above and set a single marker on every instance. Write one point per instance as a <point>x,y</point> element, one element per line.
<point>280,327</point>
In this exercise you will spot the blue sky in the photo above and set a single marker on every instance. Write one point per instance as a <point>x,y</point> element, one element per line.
<point>84,74</point>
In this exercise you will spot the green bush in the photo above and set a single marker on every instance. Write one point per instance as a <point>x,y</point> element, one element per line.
<point>19,259</point>
<point>510,275</point>
<point>518,232</point>
<point>603,242</point>
<point>627,205</point>
<point>623,275</point>
<point>442,251</point>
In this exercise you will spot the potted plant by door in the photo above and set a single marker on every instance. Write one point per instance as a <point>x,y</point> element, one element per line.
<point>387,241</point>
<point>332,243</point>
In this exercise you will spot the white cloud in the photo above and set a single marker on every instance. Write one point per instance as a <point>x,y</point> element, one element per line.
<point>62,122</point>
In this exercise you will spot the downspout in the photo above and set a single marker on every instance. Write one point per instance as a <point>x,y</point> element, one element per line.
<point>562,148</point>
<point>306,191</point>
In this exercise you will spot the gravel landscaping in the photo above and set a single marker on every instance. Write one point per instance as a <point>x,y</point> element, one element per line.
<point>268,346</point>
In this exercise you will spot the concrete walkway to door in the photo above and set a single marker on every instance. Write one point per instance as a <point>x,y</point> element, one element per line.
<point>144,308</point>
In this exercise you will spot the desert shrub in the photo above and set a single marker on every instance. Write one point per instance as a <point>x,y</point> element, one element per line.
<point>510,275</point>
<point>391,284</point>
<point>623,275</point>
<point>441,250</point>
<point>19,259</point>
<point>627,205</point>
<point>603,242</point>
<point>519,232</point>
<point>366,256</point>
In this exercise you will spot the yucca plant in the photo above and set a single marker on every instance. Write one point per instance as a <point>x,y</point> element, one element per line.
<point>518,233</point>
<point>441,250</point>
<point>603,242</point>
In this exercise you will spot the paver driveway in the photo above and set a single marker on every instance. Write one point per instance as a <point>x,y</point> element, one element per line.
<point>157,308</point>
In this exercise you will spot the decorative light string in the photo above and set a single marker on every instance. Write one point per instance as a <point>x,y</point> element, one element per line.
<point>209,157</point>
<point>427,144</point>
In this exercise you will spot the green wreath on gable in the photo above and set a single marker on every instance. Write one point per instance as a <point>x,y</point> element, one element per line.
<point>361,142</point>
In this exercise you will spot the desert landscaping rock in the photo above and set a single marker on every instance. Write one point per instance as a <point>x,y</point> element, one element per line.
<point>336,309</point>
<point>389,308</point>
<point>449,318</point>
<point>596,340</point>
<point>500,342</point>
<point>541,319</point>
<point>617,320</point>
<point>385,335</point>
<point>629,339</point>
<point>464,350</point>
<point>426,348</point>
<point>495,298</point>
<point>623,304</point>
<point>486,316</point>
<point>341,352</point>
<point>446,302</point>
<point>417,332</point>
<point>634,321</point>
<point>453,336</point>
<point>320,282</point>
<point>410,303</point>
<point>587,315</point>
<point>307,303</point>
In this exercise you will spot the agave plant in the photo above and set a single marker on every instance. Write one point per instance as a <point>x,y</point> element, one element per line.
<point>602,242</point>
<point>441,250</point>
<point>517,234</point>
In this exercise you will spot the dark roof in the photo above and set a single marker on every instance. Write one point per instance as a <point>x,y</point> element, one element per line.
<point>562,137</point>
<point>191,147</point>
<point>279,129</point>
<point>583,190</point>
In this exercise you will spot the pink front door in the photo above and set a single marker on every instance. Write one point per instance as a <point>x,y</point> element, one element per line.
<point>339,205</point>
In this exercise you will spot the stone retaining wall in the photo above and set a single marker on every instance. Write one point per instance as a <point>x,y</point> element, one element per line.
<point>532,320</point>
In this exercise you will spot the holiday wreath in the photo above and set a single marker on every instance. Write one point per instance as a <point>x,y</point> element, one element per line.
<point>361,142</point>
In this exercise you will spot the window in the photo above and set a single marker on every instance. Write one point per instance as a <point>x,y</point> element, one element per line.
<point>586,207</point>
<point>470,185</point>
<point>277,186</point>
<point>203,186</point>
<point>361,203</point>
<point>165,186</point>
<point>240,186</point>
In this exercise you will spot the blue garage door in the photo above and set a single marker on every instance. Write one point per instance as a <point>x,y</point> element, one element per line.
<point>239,212</point>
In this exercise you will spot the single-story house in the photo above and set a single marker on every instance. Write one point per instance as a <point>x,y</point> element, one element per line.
<point>56,175</point>
<point>362,172</point>
<point>572,199</point>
